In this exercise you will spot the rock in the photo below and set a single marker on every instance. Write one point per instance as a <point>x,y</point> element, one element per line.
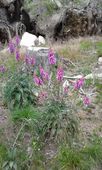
<point>100,61</point>
<point>37,49</point>
<point>74,21</point>
<point>94,76</point>
<point>4,3</point>
<point>41,40</point>
<point>74,77</point>
<point>99,76</point>
<point>89,76</point>
<point>10,13</point>
<point>40,54</point>
<point>28,40</point>
<point>58,3</point>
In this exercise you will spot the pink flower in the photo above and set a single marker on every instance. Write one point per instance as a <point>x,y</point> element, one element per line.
<point>2,69</point>
<point>51,57</point>
<point>79,83</point>
<point>44,74</point>
<point>38,81</point>
<point>11,47</point>
<point>60,73</point>
<point>86,101</point>
<point>17,55</point>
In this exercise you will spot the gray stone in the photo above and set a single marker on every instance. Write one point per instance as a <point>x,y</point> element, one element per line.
<point>40,54</point>
<point>100,61</point>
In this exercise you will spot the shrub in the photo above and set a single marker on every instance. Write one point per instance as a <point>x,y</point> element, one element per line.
<point>57,123</point>
<point>18,91</point>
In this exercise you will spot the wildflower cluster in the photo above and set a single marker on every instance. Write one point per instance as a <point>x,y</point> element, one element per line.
<point>79,83</point>
<point>29,60</point>
<point>37,80</point>
<point>45,76</point>
<point>47,79</point>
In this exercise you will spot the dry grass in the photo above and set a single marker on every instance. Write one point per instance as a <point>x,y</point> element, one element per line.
<point>77,49</point>
<point>70,50</point>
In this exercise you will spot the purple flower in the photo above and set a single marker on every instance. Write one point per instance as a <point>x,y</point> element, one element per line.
<point>17,55</point>
<point>32,61</point>
<point>11,47</point>
<point>60,73</point>
<point>79,83</point>
<point>17,40</point>
<point>51,57</point>
<point>86,101</point>
<point>38,81</point>
<point>44,74</point>
<point>2,69</point>
<point>29,60</point>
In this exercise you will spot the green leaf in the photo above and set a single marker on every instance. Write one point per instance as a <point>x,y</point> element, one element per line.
<point>11,164</point>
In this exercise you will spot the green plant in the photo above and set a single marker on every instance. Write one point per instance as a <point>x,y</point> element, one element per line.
<point>18,91</point>
<point>38,160</point>
<point>3,154</point>
<point>58,123</point>
<point>29,115</point>
<point>15,159</point>
<point>10,163</point>
<point>84,158</point>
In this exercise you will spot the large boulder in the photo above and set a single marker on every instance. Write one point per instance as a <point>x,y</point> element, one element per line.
<point>30,40</point>
<point>75,22</point>
<point>10,19</point>
<point>72,20</point>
